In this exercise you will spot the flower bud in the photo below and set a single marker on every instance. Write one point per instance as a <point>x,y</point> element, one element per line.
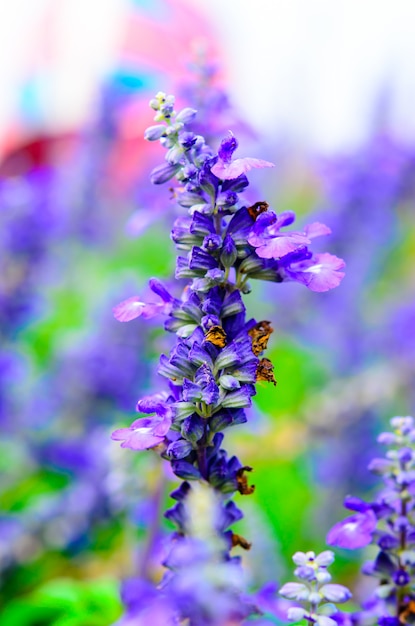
<point>152,133</point>
<point>186,115</point>
<point>162,173</point>
<point>229,253</point>
<point>185,470</point>
<point>179,449</point>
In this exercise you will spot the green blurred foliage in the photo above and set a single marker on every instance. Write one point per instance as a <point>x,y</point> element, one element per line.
<point>65,602</point>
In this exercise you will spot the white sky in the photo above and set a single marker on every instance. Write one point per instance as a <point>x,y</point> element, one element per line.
<point>314,69</point>
<point>309,70</point>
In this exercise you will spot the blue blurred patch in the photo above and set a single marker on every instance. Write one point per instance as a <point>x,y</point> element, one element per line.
<point>30,102</point>
<point>130,80</point>
<point>157,8</point>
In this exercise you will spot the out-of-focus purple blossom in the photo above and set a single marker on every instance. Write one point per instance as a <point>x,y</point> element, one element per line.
<point>200,586</point>
<point>387,522</point>
<point>353,532</point>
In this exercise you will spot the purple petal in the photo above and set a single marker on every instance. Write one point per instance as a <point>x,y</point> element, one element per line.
<point>226,171</point>
<point>335,593</point>
<point>356,504</point>
<point>300,558</point>
<point>144,433</point>
<point>152,309</point>
<point>139,436</point>
<point>296,613</point>
<point>291,590</point>
<point>282,245</point>
<point>162,427</point>
<point>263,221</point>
<point>320,274</point>
<point>160,290</point>
<point>121,434</point>
<point>129,309</point>
<point>316,229</point>
<point>353,532</point>
<point>227,148</point>
<point>141,441</point>
<point>325,558</point>
<point>285,218</point>
<point>152,402</point>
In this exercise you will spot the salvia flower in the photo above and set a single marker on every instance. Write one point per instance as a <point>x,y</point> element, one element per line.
<point>389,523</point>
<point>212,369</point>
<point>227,169</point>
<point>315,593</point>
<point>145,433</point>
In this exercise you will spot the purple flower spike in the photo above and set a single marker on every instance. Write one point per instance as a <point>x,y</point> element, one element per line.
<point>144,433</point>
<point>353,532</point>
<point>315,589</point>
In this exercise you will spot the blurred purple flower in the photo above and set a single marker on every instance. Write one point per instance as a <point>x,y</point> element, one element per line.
<point>353,532</point>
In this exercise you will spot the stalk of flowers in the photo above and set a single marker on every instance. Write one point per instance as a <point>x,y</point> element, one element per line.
<point>217,358</point>
<point>200,585</point>
<point>388,522</point>
<point>316,594</point>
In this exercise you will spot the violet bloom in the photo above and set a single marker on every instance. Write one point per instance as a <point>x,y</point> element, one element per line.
<point>226,169</point>
<point>321,273</point>
<point>146,432</point>
<point>353,532</point>
<point>271,243</point>
<point>135,307</point>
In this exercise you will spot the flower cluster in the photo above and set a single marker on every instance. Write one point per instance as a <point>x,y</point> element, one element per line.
<point>314,589</point>
<point>389,523</point>
<point>218,356</point>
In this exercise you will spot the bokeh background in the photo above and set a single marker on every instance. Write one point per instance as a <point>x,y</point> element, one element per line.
<point>323,89</point>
